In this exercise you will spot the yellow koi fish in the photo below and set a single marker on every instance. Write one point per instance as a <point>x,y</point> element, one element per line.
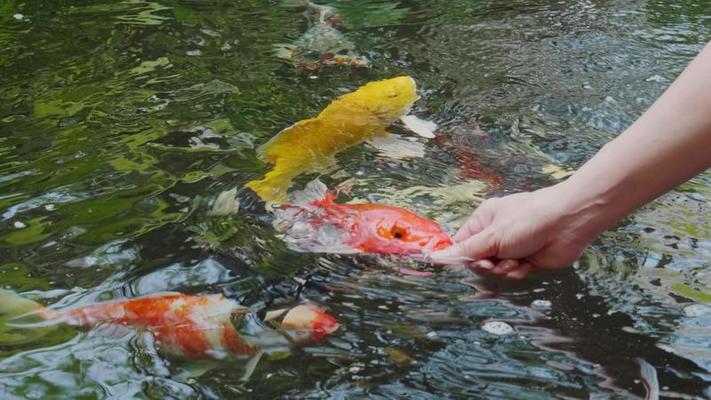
<point>351,119</point>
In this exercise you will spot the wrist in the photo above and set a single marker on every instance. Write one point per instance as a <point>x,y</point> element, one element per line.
<point>587,209</point>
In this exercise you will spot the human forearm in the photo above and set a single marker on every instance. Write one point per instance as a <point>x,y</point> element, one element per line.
<point>550,228</point>
<point>667,145</point>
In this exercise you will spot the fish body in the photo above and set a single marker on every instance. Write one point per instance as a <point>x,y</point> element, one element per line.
<point>351,119</point>
<point>324,225</point>
<point>322,43</point>
<point>467,150</point>
<point>193,326</point>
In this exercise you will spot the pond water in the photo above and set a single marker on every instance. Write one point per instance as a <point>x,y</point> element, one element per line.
<point>122,121</point>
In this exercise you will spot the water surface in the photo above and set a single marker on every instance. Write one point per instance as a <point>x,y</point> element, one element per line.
<point>120,123</point>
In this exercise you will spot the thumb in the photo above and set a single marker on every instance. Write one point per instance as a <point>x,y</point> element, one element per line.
<point>473,248</point>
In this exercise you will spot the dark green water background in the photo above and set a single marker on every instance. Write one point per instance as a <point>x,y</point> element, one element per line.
<point>120,122</point>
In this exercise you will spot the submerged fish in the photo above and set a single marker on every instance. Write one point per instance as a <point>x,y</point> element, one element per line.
<point>314,222</point>
<point>322,43</point>
<point>195,327</point>
<point>467,150</point>
<point>310,144</point>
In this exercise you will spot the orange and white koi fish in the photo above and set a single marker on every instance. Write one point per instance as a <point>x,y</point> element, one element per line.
<point>314,222</point>
<point>322,43</point>
<point>195,327</point>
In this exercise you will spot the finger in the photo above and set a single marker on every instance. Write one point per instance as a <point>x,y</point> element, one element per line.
<point>474,248</point>
<point>470,228</point>
<point>503,267</point>
<point>484,264</point>
<point>520,272</point>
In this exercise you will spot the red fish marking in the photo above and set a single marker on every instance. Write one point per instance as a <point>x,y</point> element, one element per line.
<point>368,228</point>
<point>469,160</point>
<point>471,167</point>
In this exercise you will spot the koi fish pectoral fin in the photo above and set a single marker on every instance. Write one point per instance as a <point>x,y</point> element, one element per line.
<point>251,366</point>
<point>192,369</point>
<point>314,191</point>
<point>396,147</point>
<point>419,126</point>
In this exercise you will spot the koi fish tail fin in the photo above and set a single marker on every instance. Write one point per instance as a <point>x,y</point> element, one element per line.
<point>22,320</point>
<point>273,187</point>
<point>13,305</point>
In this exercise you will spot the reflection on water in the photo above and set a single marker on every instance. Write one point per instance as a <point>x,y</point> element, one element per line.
<point>122,122</point>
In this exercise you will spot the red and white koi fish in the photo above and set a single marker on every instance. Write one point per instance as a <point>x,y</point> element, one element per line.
<point>315,222</point>
<point>191,326</point>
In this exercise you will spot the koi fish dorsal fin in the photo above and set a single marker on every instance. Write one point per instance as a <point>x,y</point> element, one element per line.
<point>315,191</point>
<point>285,141</point>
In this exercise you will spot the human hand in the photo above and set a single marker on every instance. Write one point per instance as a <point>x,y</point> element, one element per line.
<point>513,235</point>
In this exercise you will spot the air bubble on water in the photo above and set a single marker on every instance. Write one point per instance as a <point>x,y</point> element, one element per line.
<point>18,16</point>
<point>540,304</point>
<point>193,53</point>
<point>497,328</point>
<point>19,225</point>
<point>431,335</point>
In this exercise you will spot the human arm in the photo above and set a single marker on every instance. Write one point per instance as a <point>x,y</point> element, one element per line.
<point>549,228</point>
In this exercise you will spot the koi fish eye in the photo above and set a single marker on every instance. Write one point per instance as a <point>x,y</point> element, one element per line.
<point>399,232</point>
<point>395,231</point>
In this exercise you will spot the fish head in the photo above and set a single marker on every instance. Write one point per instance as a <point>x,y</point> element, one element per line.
<point>393,230</point>
<point>305,322</point>
<point>388,99</point>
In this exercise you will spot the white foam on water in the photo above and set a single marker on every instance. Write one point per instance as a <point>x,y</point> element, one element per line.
<point>497,328</point>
